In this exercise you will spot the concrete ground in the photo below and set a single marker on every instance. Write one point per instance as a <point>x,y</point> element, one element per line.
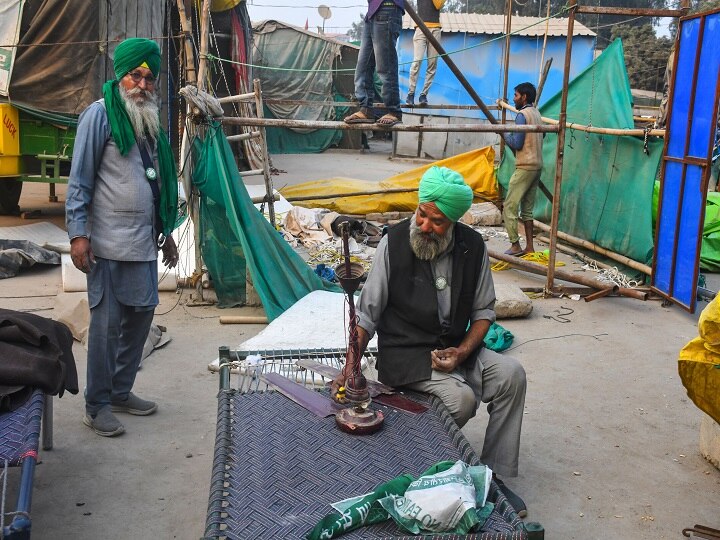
<point>609,445</point>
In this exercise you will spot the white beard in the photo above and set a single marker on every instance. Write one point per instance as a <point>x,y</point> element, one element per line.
<point>428,247</point>
<point>143,113</point>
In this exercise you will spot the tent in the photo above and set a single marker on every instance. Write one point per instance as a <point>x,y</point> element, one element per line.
<point>294,64</point>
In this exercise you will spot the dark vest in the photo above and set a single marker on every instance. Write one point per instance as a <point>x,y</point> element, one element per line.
<point>427,12</point>
<point>409,327</point>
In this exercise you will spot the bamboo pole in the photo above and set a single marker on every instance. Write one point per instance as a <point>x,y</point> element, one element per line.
<point>627,261</point>
<point>265,154</point>
<point>542,270</point>
<point>560,154</point>
<point>338,195</point>
<point>593,129</point>
<point>243,319</point>
<point>204,39</point>
<point>569,251</point>
<point>598,294</point>
<point>193,206</point>
<point>323,124</point>
<point>541,79</point>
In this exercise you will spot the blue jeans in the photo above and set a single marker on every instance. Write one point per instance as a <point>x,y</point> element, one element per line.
<point>377,51</point>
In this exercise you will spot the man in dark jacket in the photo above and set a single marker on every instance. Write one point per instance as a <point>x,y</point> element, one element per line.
<point>430,298</point>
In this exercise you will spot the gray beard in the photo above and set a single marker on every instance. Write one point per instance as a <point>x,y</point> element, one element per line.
<point>144,115</point>
<point>428,247</point>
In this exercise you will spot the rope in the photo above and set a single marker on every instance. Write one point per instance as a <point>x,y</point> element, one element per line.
<point>352,70</point>
<point>612,275</point>
<point>539,257</point>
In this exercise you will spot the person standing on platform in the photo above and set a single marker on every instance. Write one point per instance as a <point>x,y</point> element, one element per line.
<point>429,12</point>
<point>381,30</point>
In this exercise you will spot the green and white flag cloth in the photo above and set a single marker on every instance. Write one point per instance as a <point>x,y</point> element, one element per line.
<point>448,497</point>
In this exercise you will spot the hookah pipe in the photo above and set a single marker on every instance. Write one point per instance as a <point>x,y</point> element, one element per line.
<point>355,389</point>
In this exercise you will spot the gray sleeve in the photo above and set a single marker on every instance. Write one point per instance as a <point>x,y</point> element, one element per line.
<point>374,295</point>
<point>484,303</point>
<point>93,132</point>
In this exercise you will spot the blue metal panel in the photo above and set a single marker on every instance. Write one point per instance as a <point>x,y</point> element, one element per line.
<point>685,67</point>
<point>704,121</point>
<point>480,59</point>
<point>691,129</point>
<point>667,217</point>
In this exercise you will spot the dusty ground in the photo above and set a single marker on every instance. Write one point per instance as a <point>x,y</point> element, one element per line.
<point>609,447</point>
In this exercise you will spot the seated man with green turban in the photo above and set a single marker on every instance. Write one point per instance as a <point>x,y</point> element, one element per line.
<point>121,207</point>
<point>430,298</point>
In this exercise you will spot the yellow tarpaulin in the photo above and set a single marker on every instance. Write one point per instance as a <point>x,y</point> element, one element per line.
<point>476,166</point>
<point>699,363</point>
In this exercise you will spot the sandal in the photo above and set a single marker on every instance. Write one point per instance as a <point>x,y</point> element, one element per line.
<point>388,120</point>
<point>359,117</point>
<point>515,253</point>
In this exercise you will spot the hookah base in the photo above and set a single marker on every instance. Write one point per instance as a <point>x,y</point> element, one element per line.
<point>359,421</point>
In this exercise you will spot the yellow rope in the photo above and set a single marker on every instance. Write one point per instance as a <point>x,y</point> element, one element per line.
<point>539,257</point>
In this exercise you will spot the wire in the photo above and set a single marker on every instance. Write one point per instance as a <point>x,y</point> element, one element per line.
<point>596,336</point>
<point>336,70</point>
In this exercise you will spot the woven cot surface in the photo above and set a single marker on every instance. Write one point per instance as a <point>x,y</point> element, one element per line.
<point>20,429</point>
<point>285,466</point>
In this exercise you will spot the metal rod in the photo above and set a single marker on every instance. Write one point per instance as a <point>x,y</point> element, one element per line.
<point>555,216</point>
<point>598,294</point>
<point>315,103</point>
<point>444,55</point>
<point>323,124</point>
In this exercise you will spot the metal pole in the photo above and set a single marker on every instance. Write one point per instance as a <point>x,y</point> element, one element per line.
<point>444,55</point>
<point>506,66</point>
<point>560,148</point>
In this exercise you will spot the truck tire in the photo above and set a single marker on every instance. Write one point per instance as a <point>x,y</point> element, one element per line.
<point>10,196</point>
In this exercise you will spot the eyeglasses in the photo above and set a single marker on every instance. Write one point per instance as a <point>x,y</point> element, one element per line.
<point>136,76</point>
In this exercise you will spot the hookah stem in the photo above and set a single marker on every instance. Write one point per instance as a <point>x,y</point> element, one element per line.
<point>352,326</point>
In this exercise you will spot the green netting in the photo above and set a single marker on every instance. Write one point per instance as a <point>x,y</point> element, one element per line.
<point>607,180</point>
<point>65,120</point>
<point>239,234</point>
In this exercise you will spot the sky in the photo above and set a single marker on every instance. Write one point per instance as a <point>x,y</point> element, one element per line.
<point>343,13</point>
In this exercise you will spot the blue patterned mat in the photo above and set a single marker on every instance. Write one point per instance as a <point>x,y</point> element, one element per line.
<point>278,467</point>
<point>20,430</point>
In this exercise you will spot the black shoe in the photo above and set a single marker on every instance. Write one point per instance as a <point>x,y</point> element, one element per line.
<point>515,501</point>
<point>410,100</point>
<point>422,100</point>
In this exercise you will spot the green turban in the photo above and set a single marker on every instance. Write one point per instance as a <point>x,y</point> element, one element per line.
<point>132,53</point>
<point>447,189</point>
<point>135,52</point>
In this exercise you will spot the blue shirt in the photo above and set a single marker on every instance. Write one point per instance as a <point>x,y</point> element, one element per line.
<point>516,140</point>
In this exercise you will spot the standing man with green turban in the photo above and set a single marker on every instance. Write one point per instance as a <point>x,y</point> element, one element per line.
<point>430,297</point>
<point>120,208</point>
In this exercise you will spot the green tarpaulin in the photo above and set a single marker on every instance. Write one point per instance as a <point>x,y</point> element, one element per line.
<point>235,233</point>
<point>607,182</point>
